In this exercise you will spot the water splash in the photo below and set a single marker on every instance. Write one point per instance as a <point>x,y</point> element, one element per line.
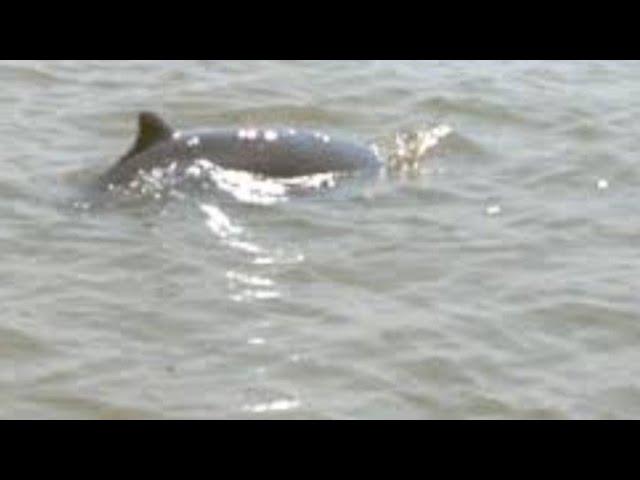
<point>410,147</point>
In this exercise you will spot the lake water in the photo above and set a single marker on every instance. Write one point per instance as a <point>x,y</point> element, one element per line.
<point>497,280</point>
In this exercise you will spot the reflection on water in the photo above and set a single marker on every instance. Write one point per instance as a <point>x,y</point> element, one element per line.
<point>254,189</point>
<point>218,222</point>
<point>273,406</point>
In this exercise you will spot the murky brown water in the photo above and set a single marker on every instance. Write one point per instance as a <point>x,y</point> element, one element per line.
<point>500,282</point>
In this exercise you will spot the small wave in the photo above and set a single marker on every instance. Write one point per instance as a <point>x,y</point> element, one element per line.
<point>276,405</point>
<point>251,294</point>
<point>251,287</point>
<point>251,280</point>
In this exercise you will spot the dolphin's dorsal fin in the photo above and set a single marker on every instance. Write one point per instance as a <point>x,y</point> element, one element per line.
<point>151,129</point>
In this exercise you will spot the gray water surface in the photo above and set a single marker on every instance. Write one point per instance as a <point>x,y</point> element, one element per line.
<point>499,281</point>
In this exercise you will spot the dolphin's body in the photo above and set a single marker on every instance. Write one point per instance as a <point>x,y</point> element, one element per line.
<point>277,153</point>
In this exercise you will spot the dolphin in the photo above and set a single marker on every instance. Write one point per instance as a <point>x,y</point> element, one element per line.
<point>277,153</point>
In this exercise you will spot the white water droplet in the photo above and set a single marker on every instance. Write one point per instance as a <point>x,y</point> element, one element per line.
<point>494,210</point>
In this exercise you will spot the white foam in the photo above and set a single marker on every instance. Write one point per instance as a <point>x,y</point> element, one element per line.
<point>442,131</point>
<point>411,146</point>
<point>193,171</point>
<point>204,164</point>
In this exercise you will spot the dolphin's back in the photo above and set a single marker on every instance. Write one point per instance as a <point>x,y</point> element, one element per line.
<point>270,152</point>
<point>282,152</point>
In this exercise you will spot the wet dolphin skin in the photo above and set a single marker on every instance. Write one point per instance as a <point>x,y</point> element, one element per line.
<point>278,153</point>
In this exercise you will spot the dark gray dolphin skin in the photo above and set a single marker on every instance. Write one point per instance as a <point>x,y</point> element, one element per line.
<point>270,152</point>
